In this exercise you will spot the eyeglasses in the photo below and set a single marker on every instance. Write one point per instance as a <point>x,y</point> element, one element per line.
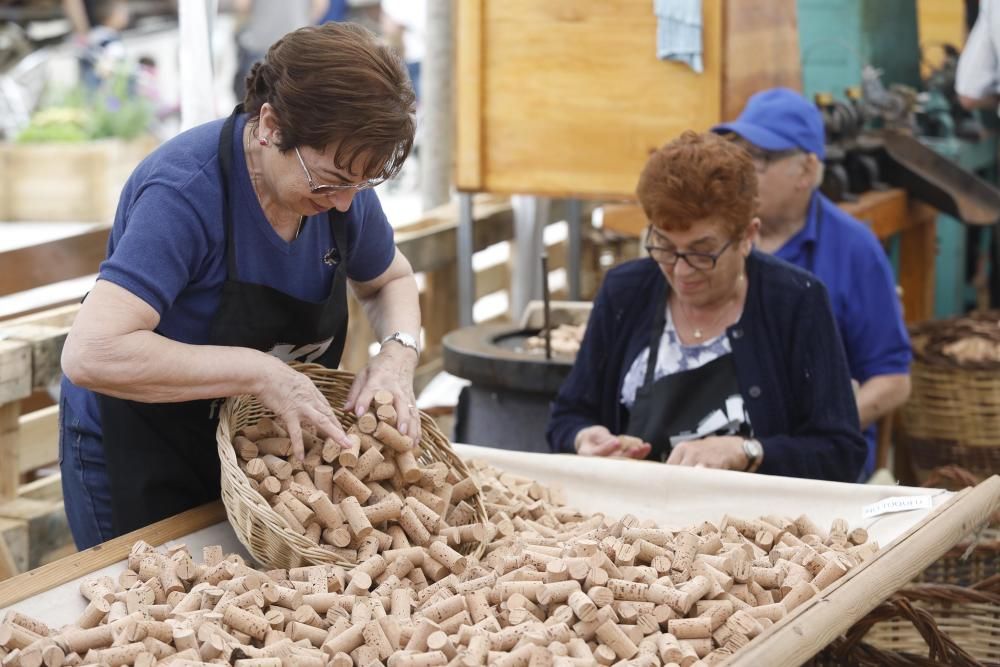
<point>699,261</point>
<point>319,189</point>
<point>762,160</point>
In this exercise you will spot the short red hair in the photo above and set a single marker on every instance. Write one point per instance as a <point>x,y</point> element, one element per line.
<point>697,176</point>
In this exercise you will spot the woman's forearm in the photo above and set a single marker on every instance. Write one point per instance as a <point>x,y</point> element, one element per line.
<point>394,307</point>
<point>145,366</point>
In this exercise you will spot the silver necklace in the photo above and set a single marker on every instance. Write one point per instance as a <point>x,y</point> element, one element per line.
<point>697,331</point>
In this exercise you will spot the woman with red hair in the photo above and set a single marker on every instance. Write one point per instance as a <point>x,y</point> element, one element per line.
<point>708,353</point>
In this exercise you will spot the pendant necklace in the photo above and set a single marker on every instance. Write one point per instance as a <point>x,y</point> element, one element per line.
<point>697,331</point>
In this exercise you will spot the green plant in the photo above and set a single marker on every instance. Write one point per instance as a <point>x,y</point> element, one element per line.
<point>111,110</point>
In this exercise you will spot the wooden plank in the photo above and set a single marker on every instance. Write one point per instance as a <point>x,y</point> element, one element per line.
<point>14,538</point>
<point>468,69</point>
<point>15,370</point>
<point>757,38</point>
<point>625,219</point>
<point>438,308</point>
<point>917,263</point>
<point>46,350</point>
<point>884,211</point>
<point>9,470</point>
<point>817,622</point>
<point>573,95</point>
<point>37,439</point>
<point>60,317</point>
<point>939,22</point>
<point>67,569</point>
<point>7,567</point>
<point>46,263</point>
<point>431,245</point>
<point>48,488</point>
<point>48,528</point>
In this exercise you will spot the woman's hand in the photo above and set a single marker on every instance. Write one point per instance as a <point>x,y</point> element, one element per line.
<point>724,452</point>
<point>391,369</point>
<point>598,441</point>
<point>295,400</point>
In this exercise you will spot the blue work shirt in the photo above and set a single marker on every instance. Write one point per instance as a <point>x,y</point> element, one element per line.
<point>850,261</point>
<point>168,244</point>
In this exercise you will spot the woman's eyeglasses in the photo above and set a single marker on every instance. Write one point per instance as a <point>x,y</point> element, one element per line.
<point>700,261</point>
<point>320,189</point>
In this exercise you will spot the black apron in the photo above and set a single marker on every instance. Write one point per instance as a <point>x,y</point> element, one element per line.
<point>162,457</point>
<point>686,405</point>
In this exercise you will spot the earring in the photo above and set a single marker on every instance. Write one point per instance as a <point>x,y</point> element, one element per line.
<point>263,141</point>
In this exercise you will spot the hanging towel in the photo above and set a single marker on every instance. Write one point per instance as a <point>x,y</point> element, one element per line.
<point>678,31</point>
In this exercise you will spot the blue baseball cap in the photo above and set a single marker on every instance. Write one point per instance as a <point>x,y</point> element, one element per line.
<point>779,119</point>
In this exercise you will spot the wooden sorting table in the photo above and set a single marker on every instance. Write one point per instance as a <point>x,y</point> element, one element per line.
<point>673,496</point>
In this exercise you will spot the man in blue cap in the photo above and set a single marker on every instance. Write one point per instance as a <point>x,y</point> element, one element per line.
<point>783,132</point>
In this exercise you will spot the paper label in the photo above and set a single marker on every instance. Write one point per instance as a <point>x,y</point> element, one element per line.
<point>897,504</point>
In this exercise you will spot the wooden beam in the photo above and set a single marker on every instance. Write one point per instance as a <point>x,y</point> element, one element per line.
<point>817,622</point>
<point>15,370</point>
<point>46,263</point>
<point>113,551</point>
<point>46,333</point>
<point>918,262</point>
<point>469,106</point>
<point>37,439</point>
<point>7,567</point>
<point>9,469</point>
<point>430,244</point>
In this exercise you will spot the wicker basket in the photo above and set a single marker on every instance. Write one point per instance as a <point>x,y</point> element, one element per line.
<point>953,414</point>
<point>925,624</point>
<point>262,530</point>
<point>975,558</point>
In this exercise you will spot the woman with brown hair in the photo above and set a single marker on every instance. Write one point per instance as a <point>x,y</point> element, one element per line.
<point>231,253</point>
<point>709,353</point>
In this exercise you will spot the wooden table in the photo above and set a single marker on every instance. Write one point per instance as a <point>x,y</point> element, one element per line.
<point>887,213</point>
<point>649,491</point>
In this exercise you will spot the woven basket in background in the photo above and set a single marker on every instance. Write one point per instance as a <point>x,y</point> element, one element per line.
<point>262,530</point>
<point>925,624</point>
<point>953,414</point>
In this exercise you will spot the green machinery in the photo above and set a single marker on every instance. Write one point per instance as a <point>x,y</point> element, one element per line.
<point>837,40</point>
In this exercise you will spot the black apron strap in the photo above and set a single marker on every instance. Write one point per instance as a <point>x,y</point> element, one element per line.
<point>226,167</point>
<point>656,332</point>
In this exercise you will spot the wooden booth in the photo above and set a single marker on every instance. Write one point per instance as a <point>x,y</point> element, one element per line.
<point>566,98</point>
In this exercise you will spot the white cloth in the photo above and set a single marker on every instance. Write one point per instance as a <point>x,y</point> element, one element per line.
<point>978,72</point>
<point>673,357</point>
<point>412,15</point>
<point>678,31</point>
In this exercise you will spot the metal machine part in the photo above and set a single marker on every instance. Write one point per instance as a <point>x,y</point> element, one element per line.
<point>932,178</point>
<point>507,404</point>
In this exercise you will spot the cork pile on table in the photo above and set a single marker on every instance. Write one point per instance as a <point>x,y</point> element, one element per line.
<point>554,587</point>
<point>564,339</point>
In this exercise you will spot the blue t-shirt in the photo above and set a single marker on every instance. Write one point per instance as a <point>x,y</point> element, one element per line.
<point>848,258</point>
<point>168,245</point>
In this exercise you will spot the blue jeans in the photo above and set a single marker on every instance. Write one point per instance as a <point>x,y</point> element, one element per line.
<point>86,489</point>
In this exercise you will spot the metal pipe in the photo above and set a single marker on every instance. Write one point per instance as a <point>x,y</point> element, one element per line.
<point>466,276</point>
<point>547,313</point>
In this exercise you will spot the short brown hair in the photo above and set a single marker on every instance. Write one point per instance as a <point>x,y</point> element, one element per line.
<point>697,176</point>
<point>338,83</point>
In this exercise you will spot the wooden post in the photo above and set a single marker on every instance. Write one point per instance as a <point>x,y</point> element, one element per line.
<point>438,106</point>
<point>917,258</point>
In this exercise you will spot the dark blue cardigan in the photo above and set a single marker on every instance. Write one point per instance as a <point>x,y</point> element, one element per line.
<point>789,360</point>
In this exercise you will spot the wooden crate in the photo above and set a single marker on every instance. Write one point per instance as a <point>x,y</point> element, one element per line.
<point>567,97</point>
<point>33,526</point>
<point>60,182</point>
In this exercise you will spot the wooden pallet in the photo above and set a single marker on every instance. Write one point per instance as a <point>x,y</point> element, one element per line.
<point>32,519</point>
